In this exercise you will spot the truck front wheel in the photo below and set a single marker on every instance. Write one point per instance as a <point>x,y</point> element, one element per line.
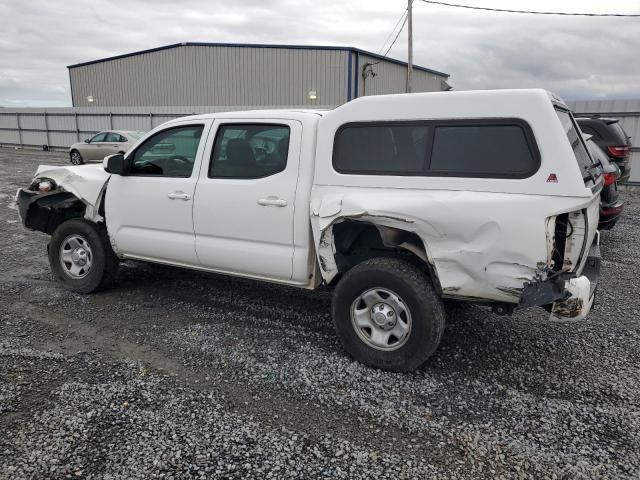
<point>387,314</point>
<point>81,257</point>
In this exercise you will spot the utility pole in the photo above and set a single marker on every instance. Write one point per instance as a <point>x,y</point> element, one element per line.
<point>410,43</point>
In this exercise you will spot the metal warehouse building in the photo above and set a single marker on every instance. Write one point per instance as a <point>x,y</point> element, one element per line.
<point>192,74</point>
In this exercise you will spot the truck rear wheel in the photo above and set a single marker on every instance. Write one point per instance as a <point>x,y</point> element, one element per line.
<point>387,314</point>
<point>81,257</point>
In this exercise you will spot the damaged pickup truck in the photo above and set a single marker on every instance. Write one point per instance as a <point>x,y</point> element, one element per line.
<point>396,201</point>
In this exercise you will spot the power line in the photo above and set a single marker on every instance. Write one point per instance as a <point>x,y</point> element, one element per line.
<point>367,68</point>
<point>393,30</point>
<point>394,40</point>
<point>504,10</point>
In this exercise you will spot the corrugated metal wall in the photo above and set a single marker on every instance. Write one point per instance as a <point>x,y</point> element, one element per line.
<point>628,111</point>
<point>392,78</point>
<point>209,75</point>
<point>193,74</point>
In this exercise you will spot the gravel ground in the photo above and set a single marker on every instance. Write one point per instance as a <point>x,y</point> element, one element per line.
<point>179,374</point>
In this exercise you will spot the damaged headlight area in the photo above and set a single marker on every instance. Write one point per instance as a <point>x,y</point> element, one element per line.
<point>43,205</point>
<point>42,185</point>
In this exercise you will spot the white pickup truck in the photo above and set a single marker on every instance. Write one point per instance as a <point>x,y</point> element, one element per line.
<point>396,201</point>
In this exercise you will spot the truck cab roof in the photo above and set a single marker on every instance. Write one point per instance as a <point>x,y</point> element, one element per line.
<point>281,113</point>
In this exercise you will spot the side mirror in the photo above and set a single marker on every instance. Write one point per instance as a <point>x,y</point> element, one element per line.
<point>114,164</point>
<point>87,140</point>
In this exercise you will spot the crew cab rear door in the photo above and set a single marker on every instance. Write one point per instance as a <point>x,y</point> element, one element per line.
<point>244,202</point>
<point>149,209</point>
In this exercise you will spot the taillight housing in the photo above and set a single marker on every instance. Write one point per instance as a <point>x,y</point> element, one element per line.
<point>619,152</point>
<point>609,179</point>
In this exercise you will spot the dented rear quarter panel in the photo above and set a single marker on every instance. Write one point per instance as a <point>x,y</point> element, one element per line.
<point>482,245</point>
<point>484,237</point>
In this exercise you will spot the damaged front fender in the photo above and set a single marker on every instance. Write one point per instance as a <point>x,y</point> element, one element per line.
<point>77,192</point>
<point>85,182</point>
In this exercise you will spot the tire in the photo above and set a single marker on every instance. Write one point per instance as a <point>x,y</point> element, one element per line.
<point>76,158</point>
<point>418,311</point>
<point>100,262</point>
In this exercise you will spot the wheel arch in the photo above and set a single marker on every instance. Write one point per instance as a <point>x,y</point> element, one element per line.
<point>46,211</point>
<point>348,241</point>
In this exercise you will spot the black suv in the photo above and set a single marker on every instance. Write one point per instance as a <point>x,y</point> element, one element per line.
<point>610,205</point>
<point>608,134</point>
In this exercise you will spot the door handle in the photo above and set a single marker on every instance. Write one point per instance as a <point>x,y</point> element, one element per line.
<point>272,200</point>
<point>179,196</point>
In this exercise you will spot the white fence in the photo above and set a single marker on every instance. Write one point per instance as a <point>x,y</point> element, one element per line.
<point>628,112</point>
<point>58,128</point>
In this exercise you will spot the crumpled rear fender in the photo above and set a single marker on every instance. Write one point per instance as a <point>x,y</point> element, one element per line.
<point>481,246</point>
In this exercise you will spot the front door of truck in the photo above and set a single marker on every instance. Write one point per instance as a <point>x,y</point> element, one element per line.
<point>149,210</point>
<point>244,200</point>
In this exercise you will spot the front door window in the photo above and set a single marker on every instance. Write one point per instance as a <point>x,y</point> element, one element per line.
<point>98,138</point>
<point>169,153</point>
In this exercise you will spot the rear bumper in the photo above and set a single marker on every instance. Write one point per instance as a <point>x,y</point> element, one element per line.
<point>609,215</point>
<point>581,289</point>
<point>568,296</point>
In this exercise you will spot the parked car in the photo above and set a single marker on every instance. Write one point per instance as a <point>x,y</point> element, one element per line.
<point>103,144</point>
<point>397,201</point>
<point>611,206</point>
<point>608,134</point>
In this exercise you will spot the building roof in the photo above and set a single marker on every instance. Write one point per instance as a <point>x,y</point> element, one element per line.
<point>259,45</point>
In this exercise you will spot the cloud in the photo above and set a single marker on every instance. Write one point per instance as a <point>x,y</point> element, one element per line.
<point>575,57</point>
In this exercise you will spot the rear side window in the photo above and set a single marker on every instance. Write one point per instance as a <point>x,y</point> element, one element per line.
<point>483,150</point>
<point>113,137</point>
<point>385,149</point>
<point>248,151</point>
<point>469,148</point>
<point>577,143</point>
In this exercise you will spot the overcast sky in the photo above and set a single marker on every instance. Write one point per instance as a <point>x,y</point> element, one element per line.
<point>577,57</point>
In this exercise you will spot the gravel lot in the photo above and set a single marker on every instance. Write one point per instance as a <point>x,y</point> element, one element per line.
<point>179,374</point>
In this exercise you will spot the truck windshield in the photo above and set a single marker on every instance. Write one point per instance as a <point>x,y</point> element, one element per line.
<point>577,143</point>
